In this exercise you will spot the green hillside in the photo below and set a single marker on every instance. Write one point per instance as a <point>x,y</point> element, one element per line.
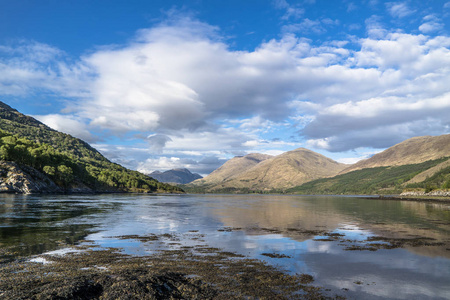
<point>379,180</point>
<point>439,180</point>
<point>66,160</point>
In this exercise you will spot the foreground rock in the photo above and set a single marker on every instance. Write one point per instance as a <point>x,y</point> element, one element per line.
<point>206,273</point>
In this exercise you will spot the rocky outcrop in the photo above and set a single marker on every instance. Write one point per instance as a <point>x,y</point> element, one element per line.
<point>27,180</point>
<point>24,180</point>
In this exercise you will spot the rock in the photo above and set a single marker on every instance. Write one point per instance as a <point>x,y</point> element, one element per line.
<point>24,180</point>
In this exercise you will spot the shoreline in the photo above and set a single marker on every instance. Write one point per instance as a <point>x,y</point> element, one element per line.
<point>424,198</point>
<point>187,273</point>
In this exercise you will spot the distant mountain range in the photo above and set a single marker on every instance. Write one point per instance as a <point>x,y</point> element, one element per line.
<point>259,172</point>
<point>417,164</point>
<point>178,176</point>
<point>37,159</point>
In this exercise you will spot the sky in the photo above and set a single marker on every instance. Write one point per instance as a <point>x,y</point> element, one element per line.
<point>163,84</point>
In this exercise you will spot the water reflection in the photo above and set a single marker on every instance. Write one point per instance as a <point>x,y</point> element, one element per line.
<point>32,225</point>
<point>391,219</point>
<point>300,234</point>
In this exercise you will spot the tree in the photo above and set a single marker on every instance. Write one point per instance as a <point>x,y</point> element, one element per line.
<point>65,173</point>
<point>49,170</point>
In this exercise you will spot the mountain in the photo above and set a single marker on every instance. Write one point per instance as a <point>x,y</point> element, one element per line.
<point>181,176</point>
<point>232,168</point>
<point>412,151</point>
<point>37,159</point>
<point>273,173</point>
<point>419,165</point>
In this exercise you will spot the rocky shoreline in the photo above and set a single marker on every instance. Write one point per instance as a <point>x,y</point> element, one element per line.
<point>437,193</point>
<point>435,196</point>
<point>199,271</point>
<point>206,273</point>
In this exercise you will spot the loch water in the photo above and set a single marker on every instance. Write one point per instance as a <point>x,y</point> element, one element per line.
<point>290,232</point>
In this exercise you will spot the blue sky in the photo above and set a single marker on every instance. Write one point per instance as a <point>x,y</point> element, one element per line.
<point>156,85</point>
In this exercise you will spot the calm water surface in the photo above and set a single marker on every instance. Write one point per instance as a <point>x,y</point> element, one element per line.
<point>250,225</point>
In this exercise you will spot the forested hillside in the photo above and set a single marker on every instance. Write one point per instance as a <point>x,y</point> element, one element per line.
<point>68,161</point>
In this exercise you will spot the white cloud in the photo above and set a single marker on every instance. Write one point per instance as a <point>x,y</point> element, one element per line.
<point>272,152</point>
<point>161,163</point>
<point>291,11</point>
<point>251,144</point>
<point>399,9</point>
<point>311,26</point>
<point>67,124</point>
<point>203,166</point>
<point>180,85</point>
<point>374,27</point>
<point>431,24</point>
<point>29,66</point>
<point>349,160</point>
<point>393,51</point>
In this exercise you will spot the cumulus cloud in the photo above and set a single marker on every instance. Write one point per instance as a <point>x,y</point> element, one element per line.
<point>410,97</point>
<point>182,87</point>
<point>68,124</point>
<point>173,78</point>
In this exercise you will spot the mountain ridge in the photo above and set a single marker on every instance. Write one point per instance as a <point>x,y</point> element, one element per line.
<point>275,173</point>
<point>232,168</point>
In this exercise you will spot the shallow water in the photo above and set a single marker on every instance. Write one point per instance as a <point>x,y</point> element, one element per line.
<point>287,231</point>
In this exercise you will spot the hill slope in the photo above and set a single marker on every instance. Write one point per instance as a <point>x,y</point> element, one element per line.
<point>44,156</point>
<point>181,176</point>
<point>276,173</point>
<point>412,151</point>
<point>378,180</point>
<point>420,163</point>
